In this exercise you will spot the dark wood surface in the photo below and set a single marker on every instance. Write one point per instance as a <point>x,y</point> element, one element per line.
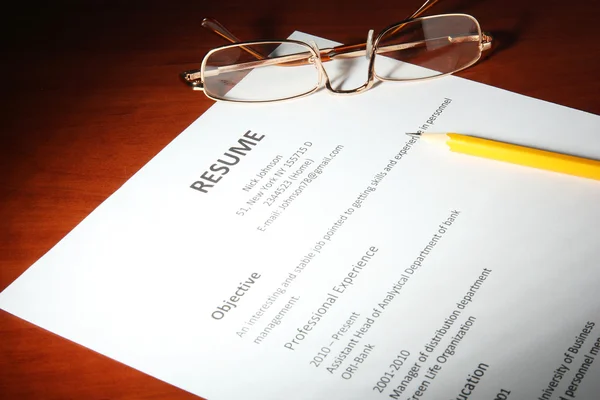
<point>91,94</point>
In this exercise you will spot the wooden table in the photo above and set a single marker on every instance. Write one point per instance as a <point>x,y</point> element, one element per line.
<point>91,94</point>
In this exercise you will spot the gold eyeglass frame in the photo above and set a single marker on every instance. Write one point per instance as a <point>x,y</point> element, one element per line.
<point>195,78</point>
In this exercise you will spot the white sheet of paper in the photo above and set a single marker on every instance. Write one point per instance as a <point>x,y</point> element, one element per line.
<point>341,259</point>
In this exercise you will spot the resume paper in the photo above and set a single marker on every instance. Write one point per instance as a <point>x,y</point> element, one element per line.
<point>310,249</point>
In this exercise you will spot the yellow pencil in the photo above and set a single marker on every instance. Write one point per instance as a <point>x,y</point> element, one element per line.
<point>511,153</point>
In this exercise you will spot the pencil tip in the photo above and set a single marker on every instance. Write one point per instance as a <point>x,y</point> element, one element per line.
<point>413,134</point>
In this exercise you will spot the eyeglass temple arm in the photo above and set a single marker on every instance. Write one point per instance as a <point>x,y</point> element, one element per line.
<point>192,77</point>
<point>362,46</point>
<point>356,50</point>
<point>426,6</point>
<point>305,58</point>
<point>217,28</point>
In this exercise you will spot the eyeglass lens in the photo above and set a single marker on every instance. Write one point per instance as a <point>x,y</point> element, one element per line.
<point>428,47</point>
<point>275,70</point>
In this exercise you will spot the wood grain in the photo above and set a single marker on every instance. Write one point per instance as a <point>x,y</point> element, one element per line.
<point>91,94</point>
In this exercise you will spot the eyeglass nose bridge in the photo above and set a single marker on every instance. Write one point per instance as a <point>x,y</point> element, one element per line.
<point>370,55</point>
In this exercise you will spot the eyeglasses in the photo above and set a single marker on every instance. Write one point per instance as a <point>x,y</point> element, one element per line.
<point>411,50</point>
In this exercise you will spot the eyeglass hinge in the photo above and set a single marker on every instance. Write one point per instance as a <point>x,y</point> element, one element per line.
<point>486,42</point>
<point>192,79</point>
